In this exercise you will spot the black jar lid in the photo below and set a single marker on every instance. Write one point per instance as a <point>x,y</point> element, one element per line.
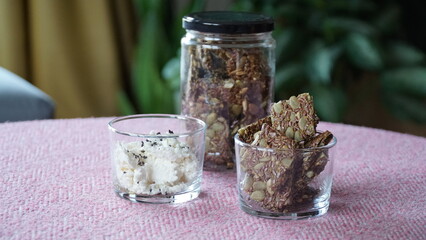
<point>228,22</point>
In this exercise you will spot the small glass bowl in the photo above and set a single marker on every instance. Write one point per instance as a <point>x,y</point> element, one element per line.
<point>284,184</point>
<point>157,158</point>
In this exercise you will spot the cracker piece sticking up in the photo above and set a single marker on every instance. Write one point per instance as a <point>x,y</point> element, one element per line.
<point>270,138</point>
<point>314,162</point>
<point>295,117</point>
<point>319,140</point>
<point>246,133</point>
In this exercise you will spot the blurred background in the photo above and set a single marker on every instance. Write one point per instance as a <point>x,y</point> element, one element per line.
<point>362,60</point>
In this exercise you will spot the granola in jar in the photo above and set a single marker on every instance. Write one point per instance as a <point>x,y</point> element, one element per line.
<point>227,69</point>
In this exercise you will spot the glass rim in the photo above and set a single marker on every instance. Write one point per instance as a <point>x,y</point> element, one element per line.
<point>152,116</point>
<point>331,144</point>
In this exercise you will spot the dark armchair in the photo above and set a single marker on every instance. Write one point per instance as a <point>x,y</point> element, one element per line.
<point>20,100</point>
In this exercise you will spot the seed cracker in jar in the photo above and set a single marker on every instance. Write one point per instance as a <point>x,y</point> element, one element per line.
<point>295,117</point>
<point>279,179</point>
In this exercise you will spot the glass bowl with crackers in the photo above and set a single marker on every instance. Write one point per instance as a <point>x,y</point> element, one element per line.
<point>284,164</point>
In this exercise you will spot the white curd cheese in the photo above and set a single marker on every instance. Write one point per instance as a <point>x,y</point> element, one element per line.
<point>160,166</point>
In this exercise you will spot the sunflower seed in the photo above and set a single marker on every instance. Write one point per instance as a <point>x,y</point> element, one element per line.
<point>259,185</point>
<point>257,196</point>
<point>294,103</point>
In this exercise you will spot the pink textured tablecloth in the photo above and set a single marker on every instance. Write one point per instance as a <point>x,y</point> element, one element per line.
<point>56,184</point>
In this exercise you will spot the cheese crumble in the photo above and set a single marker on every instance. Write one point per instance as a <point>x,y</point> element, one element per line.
<point>160,166</point>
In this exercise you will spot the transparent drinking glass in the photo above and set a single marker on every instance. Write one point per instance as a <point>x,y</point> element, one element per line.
<point>157,158</point>
<point>284,184</point>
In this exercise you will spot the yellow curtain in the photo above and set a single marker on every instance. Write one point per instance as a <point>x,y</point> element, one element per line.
<point>78,51</point>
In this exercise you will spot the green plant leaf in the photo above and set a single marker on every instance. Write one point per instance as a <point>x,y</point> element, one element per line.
<point>316,4</point>
<point>288,76</point>
<point>124,104</point>
<point>330,103</point>
<point>334,27</point>
<point>387,19</point>
<point>405,107</point>
<point>402,54</point>
<point>289,79</point>
<point>191,6</point>
<point>351,6</point>
<point>268,9</point>
<point>288,43</point>
<point>320,63</point>
<point>141,7</point>
<point>319,66</point>
<point>171,73</point>
<point>151,92</point>
<point>409,81</point>
<point>289,11</point>
<point>362,52</point>
<point>243,5</point>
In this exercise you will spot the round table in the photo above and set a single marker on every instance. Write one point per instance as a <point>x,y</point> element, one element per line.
<point>56,184</point>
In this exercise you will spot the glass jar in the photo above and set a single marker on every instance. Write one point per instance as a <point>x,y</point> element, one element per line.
<point>285,184</point>
<point>227,75</point>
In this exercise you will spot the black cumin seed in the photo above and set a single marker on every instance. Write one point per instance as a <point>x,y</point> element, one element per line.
<point>158,133</point>
<point>142,143</point>
<point>170,131</point>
